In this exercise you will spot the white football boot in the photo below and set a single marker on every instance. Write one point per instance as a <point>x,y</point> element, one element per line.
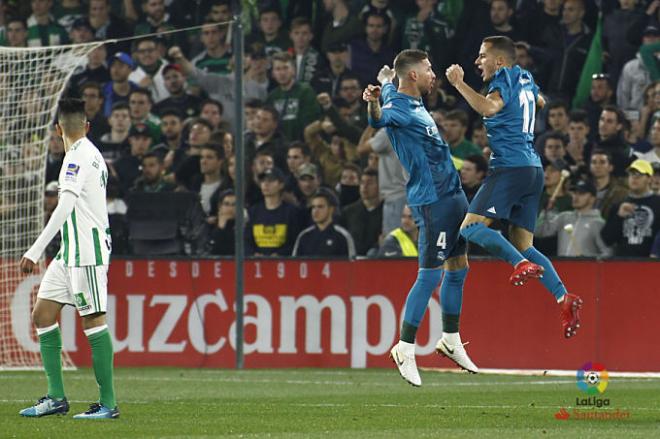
<point>403,355</point>
<point>455,351</point>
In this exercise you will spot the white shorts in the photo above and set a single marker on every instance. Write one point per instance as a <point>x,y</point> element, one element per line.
<point>86,288</point>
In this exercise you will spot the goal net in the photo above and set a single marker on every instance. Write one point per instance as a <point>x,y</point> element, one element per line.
<point>31,82</point>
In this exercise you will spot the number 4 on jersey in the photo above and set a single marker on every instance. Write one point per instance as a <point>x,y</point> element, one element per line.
<point>528,104</point>
<point>442,240</point>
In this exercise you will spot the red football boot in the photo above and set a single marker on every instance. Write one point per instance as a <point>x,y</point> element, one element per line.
<point>570,314</point>
<point>525,270</point>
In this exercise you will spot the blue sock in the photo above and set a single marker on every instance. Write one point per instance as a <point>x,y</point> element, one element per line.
<point>418,301</point>
<point>550,279</point>
<point>451,299</point>
<point>493,242</point>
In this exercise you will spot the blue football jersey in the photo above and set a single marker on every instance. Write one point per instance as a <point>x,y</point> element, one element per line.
<point>416,141</point>
<point>511,130</point>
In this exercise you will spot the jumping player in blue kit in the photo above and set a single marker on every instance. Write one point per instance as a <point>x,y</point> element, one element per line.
<point>514,184</point>
<point>436,199</point>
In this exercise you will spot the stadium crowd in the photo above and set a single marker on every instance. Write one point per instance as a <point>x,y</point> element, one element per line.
<point>319,181</point>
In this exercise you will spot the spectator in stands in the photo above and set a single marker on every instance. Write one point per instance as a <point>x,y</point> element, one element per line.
<point>578,148</point>
<point>655,184</point>
<point>92,94</point>
<point>297,154</point>
<point>54,157</point>
<point>324,237</point>
<point>81,31</point>
<point>152,179</point>
<point>273,224</point>
<point>42,29</point>
<point>115,142</point>
<point>524,59</point>
<point>94,71</point>
<point>66,12</point>
<point>155,19</point>
<point>401,242</point>
<point>295,102</point>
<point>106,25</point>
<point>118,89</point>
<point>127,167</point>
<point>364,218</point>
<point>473,172</point>
<point>652,156</point>
<point>635,76</point>
<point>601,94</point>
<point>650,110</point>
<point>216,56</point>
<point>577,230</point>
<point>171,127</point>
<point>267,136</point>
<point>328,80</point>
<point>349,185</point>
<point>309,182</point>
<point>616,26</point>
<point>271,34</point>
<point>308,60</point>
<point>140,104</point>
<point>557,117</point>
<point>369,53</point>
<point>391,181</point>
<point>454,128</point>
<point>212,111</point>
<point>16,32</point>
<point>263,160</point>
<point>257,75</point>
<point>552,179</point>
<point>634,224</point>
<point>350,90</point>
<point>554,147</point>
<point>221,240</point>
<point>211,179</point>
<point>185,161</point>
<point>251,109</point>
<point>148,74</point>
<point>175,82</point>
<point>218,87</point>
<point>347,119</point>
<point>610,134</point>
<point>344,26</point>
<point>609,190</point>
<point>480,138</point>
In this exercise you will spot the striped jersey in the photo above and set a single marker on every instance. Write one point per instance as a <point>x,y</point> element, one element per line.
<point>86,233</point>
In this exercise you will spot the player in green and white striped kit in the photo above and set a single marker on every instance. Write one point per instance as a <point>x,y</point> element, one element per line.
<point>78,274</point>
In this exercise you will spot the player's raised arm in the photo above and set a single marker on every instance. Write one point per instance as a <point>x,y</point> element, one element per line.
<point>484,105</point>
<point>371,95</point>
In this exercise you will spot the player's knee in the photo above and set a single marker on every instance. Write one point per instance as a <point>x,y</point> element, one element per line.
<point>456,263</point>
<point>40,319</point>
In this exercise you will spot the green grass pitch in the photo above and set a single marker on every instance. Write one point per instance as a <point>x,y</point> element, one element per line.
<point>335,403</point>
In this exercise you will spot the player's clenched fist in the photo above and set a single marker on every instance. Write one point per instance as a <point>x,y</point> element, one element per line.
<point>175,53</point>
<point>454,74</point>
<point>371,93</point>
<point>385,75</point>
<point>27,266</point>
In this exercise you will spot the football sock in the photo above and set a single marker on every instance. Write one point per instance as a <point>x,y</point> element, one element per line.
<point>50,342</point>
<point>102,356</point>
<point>550,279</point>
<point>493,242</point>
<point>451,298</point>
<point>418,301</point>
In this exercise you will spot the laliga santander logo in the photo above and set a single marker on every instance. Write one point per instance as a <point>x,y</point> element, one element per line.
<point>592,378</point>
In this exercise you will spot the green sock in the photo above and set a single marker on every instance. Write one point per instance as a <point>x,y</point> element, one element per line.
<point>408,332</point>
<point>102,356</point>
<point>51,355</point>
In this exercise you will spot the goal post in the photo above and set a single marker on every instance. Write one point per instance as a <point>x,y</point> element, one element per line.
<point>31,83</point>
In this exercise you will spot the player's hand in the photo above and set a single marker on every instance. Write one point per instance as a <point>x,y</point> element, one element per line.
<point>386,75</point>
<point>626,209</point>
<point>454,74</point>
<point>27,266</point>
<point>324,100</point>
<point>175,53</point>
<point>371,93</point>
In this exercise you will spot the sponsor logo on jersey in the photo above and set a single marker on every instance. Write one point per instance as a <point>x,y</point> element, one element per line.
<point>431,130</point>
<point>71,172</point>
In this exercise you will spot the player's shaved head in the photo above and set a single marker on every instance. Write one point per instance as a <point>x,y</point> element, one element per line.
<point>71,115</point>
<point>503,46</point>
<point>407,59</point>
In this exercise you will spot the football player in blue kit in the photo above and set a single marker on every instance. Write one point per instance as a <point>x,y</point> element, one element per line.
<point>436,199</point>
<point>514,184</point>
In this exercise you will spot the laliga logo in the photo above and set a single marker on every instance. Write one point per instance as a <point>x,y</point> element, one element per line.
<point>592,378</point>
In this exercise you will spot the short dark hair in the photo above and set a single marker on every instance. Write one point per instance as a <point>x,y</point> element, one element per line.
<point>273,112</point>
<point>620,117</point>
<point>16,19</point>
<point>379,14</point>
<point>304,148</point>
<point>91,84</point>
<point>579,116</point>
<point>479,161</point>
<point>71,114</point>
<point>371,172</point>
<point>150,155</point>
<point>201,120</point>
<point>600,151</point>
<point>556,135</point>
<point>216,148</point>
<point>254,103</point>
<point>557,104</point>
<point>141,91</point>
<point>459,116</point>
<point>215,102</point>
<point>407,58</point>
<point>348,76</point>
<point>284,57</point>
<point>352,167</point>
<point>327,195</point>
<point>301,21</point>
<point>121,105</point>
<point>171,111</point>
<point>502,44</point>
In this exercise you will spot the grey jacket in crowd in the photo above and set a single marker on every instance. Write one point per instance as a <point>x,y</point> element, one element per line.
<point>634,79</point>
<point>577,234</point>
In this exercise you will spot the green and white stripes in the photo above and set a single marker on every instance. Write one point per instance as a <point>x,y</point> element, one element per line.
<point>90,272</point>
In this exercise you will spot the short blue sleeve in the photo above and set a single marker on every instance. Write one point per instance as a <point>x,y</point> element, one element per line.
<point>393,111</point>
<point>501,82</point>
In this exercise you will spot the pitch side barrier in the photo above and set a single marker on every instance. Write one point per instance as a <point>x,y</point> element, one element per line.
<point>339,313</point>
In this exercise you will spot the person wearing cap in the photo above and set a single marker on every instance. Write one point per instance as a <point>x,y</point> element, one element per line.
<point>653,156</point>
<point>327,80</point>
<point>635,222</point>
<point>324,238</point>
<point>577,230</point>
<point>42,29</point>
<point>128,165</point>
<point>308,59</point>
<point>179,98</point>
<point>308,183</point>
<point>270,34</point>
<point>80,31</point>
<point>273,223</point>
<point>635,76</point>
<point>344,26</point>
<point>119,86</point>
<point>149,70</point>
<point>216,56</point>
